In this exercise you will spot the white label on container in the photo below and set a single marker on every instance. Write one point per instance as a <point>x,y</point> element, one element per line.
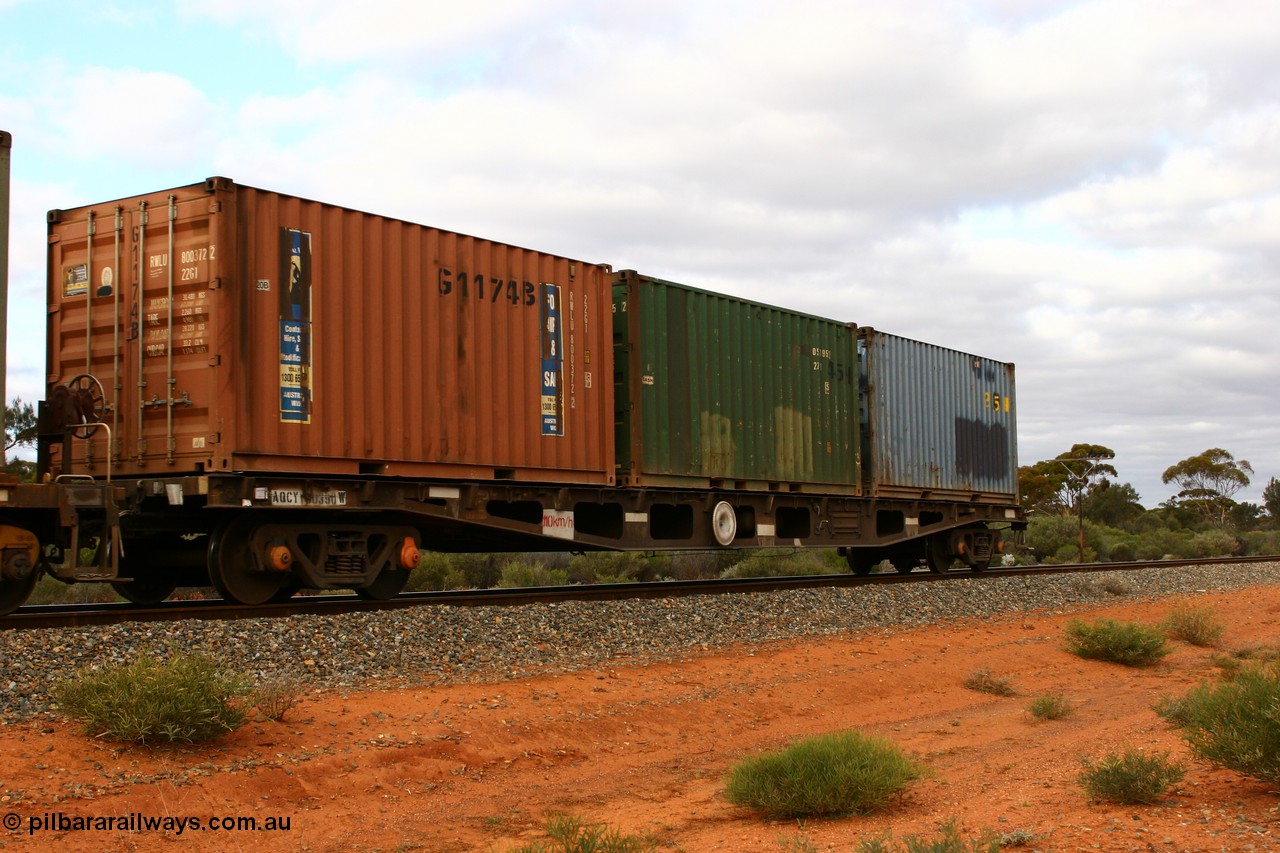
<point>557,523</point>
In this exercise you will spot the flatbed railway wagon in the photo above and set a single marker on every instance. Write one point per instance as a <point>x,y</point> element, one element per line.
<point>267,393</point>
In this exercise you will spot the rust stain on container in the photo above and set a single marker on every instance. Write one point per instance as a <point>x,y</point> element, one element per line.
<point>237,329</point>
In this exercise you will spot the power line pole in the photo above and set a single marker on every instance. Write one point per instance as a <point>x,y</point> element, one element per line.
<point>6,145</point>
<point>1083,480</point>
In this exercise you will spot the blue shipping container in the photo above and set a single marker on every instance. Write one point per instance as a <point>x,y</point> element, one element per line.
<point>937,422</point>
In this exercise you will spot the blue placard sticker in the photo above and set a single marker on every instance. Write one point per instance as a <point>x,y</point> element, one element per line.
<point>552,361</point>
<point>295,326</point>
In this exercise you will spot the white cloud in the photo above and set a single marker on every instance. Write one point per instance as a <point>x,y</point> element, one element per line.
<point>389,32</point>
<point>1088,189</point>
<point>127,117</point>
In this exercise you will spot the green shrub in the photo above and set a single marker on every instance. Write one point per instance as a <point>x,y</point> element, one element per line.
<point>1126,643</point>
<point>1172,709</point>
<point>1070,553</point>
<point>1212,543</point>
<point>1018,838</point>
<point>1236,724</point>
<point>1123,552</point>
<point>777,564</point>
<point>983,681</point>
<point>1056,538</point>
<point>1233,662</point>
<point>1051,706</point>
<point>948,840</point>
<point>703,565</point>
<point>1262,542</point>
<point>1198,626</point>
<point>830,774</point>
<point>617,567</point>
<point>568,834</point>
<point>436,571</point>
<point>480,570</point>
<point>1113,585</point>
<point>1132,778</point>
<point>186,699</point>
<point>519,574</point>
<point>1156,543</point>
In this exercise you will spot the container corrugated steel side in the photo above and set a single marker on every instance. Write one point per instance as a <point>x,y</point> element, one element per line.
<point>237,329</point>
<point>716,391</point>
<point>942,423</point>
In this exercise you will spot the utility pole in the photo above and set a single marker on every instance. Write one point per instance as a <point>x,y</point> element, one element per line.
<point>1083,480</point>
<point>6,145</point>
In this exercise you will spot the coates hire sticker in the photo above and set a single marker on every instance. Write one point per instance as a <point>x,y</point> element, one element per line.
<point>552,362</point>
<point>295,326</point>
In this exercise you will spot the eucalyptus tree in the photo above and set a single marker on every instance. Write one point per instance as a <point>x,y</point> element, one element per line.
<point>1207,482</point>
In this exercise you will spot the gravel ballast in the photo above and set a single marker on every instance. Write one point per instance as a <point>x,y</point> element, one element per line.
<point>444,643</point>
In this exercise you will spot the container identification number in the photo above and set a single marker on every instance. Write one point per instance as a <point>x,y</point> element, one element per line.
<point>191,256</point>
<point>835,370</point>
<point>487,288</point>
<point>191,259</point>
<point>995,401</point>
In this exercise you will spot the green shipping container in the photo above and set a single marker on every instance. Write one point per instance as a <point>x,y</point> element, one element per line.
<point>713,391</point>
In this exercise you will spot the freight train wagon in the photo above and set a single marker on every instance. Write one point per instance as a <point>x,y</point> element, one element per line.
<point>269,393</point>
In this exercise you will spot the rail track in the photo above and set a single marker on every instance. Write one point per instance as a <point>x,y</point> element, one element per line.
<point>108,613</point>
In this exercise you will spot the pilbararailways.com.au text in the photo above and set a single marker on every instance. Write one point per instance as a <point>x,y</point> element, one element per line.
<point>139,822</point>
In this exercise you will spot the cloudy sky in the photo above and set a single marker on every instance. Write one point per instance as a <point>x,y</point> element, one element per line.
<point>1088,189</point>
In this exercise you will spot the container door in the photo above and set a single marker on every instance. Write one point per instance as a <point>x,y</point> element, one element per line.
<point>171,350</point>
<point>131,291</point>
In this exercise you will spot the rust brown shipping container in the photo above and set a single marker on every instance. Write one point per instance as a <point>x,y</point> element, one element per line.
<point>227,328</point>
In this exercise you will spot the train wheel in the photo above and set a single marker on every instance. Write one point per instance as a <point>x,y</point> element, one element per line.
<point>286,592</point>
<point>19,567</point>
<point>937,555</point>
<point>14,592</point>
<point>146,590</point>
<point>387,584</point>
<point>863,561</point>
<point>903,564</point>
<point>233,570</point>
<point>149,561</point>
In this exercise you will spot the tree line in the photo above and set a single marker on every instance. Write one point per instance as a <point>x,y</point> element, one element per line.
<point>1078,509</point>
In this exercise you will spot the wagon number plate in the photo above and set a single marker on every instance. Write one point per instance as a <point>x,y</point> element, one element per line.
<point>297,497</point>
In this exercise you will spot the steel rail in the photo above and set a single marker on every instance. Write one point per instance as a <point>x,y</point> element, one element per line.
<point>77,615</point>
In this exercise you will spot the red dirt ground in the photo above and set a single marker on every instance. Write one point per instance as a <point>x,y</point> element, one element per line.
<point>644,746</point>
